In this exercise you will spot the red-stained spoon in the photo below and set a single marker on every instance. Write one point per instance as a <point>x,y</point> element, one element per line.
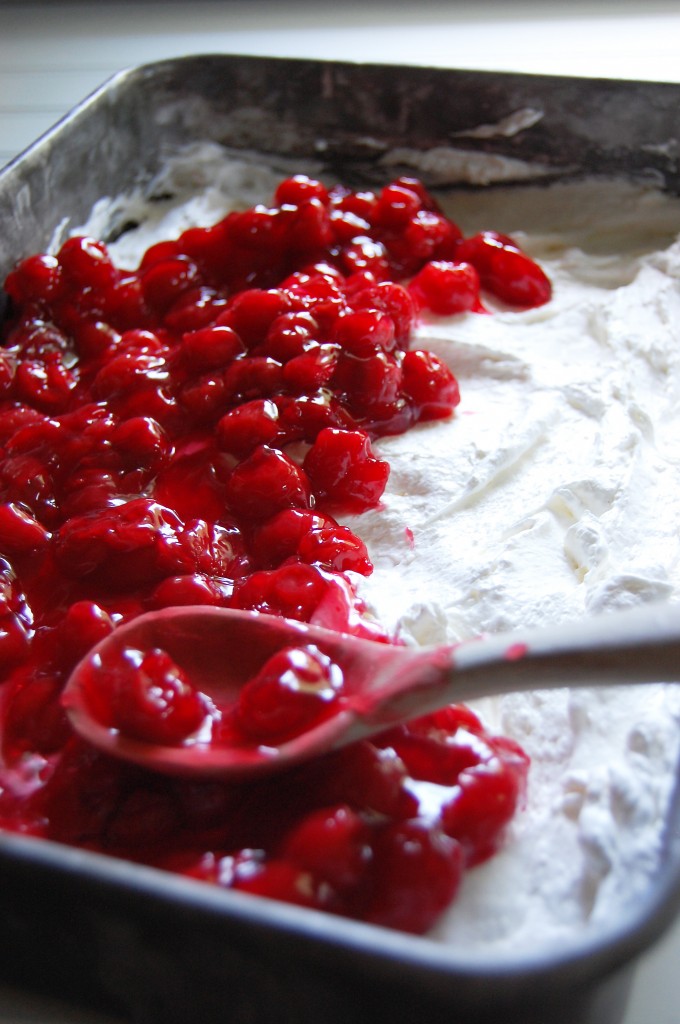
<point>221,649</point>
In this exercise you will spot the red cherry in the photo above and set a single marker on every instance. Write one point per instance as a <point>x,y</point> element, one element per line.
<point>35,279</point>
<point>344,472</point>
<point>335,548</point>
<point>446,288</point>
<point>429,384</point>
<point>248,426</point>
<point>20,532</point>
<point>147,697</point>
<point>333,843</point>
<point>505,270</point>
<point>486,798</point>
<point>87,263</point>
<point>299,189</point>
<point>211,347</point>
<point>295,688</point>
<point>395,206</point>
<point>267,482</point>
<point>416,874</point>
<point>295,591</point>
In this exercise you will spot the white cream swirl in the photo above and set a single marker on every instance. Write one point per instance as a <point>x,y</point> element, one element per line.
<point>553,493</point>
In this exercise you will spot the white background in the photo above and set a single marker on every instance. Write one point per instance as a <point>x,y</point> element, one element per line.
<point>52,55</point>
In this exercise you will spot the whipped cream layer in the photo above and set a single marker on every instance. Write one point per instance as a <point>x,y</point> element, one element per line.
<point>552,493</point>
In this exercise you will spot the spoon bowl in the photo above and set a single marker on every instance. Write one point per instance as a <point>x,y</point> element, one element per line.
<point>220,649</point>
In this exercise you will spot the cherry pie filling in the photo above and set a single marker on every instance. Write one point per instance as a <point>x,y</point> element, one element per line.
<point>188,433</point>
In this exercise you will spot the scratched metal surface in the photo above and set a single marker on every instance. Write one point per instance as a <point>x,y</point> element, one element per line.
<point>50,57</point>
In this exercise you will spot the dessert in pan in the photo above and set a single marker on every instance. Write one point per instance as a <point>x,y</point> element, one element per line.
<point>409,385</point>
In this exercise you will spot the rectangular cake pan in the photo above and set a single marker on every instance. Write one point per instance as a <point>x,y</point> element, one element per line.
<point>152,947</point>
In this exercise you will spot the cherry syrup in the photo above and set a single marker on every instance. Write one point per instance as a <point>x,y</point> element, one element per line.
<point>188,433</point>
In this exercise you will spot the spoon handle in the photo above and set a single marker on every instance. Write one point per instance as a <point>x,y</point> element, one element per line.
<point>639,645</point>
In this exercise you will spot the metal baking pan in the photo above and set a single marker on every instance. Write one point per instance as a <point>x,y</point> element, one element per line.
<point>152,947</point>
